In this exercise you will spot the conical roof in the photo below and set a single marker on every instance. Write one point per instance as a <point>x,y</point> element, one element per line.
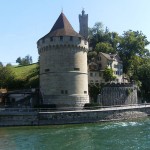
<point>62,27</point>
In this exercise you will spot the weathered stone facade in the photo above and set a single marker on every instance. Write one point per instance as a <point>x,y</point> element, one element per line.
<point>63,66</point>
<point>118,94</point>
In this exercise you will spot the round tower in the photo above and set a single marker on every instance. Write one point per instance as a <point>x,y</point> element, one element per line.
<point>63,66</point>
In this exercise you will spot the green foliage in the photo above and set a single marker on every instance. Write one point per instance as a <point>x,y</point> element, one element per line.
<point>104,47</point>
<point>132,44</point>
<point>24,61</point>
<point>6,77</point>
<point>91,55</point>
<point>108,75</point>
<point>94,90</point>
<point>129,91</point>
<point>27,76</point>
<point>143,74</point>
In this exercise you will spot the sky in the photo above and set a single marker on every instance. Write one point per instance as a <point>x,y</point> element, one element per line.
<point>24,22</point>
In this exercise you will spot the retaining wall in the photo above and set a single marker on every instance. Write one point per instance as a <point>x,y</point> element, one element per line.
<point>71,117</point>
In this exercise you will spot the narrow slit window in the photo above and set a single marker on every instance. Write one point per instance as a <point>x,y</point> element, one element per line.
<point>66,92</point>
<point>85,92</point>
<point>62,91</point>
<point>77,69</point>
<point>47,70</point>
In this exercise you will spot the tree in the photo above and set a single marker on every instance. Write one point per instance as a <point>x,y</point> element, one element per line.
<point>6,76</point>
<point>104,47</point>
<point>144,76</point>
<point>1,64</point>
<point>133,43</point>
<point>24,61</point>
<point>108,75</point>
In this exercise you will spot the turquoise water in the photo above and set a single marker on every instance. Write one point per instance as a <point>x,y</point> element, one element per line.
<point>128,135</point>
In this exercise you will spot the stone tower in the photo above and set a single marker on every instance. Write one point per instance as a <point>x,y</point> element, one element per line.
<point>83,21</point>
<point>63,66</point>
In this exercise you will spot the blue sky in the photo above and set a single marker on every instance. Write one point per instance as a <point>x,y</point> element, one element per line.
<point>23,22</point>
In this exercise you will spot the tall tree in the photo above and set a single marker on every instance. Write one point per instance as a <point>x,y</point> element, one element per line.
<point>133,43</point>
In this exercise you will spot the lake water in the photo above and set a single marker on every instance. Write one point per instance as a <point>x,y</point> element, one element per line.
<point>123,135</point>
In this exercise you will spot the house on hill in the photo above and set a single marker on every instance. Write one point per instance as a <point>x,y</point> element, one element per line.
<point>97,66</point>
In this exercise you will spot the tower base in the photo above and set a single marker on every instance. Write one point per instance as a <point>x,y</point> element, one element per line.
<point>71,102</point>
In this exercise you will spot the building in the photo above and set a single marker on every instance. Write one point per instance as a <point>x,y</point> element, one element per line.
<point>83,21</point>
<point>97,66</point>
<point>63,65</point>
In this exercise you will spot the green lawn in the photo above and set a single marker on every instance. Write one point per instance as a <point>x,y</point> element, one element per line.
<point>21,72</point>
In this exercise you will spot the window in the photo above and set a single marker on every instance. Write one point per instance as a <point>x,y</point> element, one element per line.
<point>66,92</point>
<point>79,39</point>
<point>61,38</point>
<point>51,39</point>
<point>85,92</point>
<point>99,58</point>
<point>76,69</point>
<point>91,81</point>
<point>47,70</point>
<point>62,91</point>
<point>100,66</point>
<point>91,74</point>
<point>115,66</point>
<point>71,38</point>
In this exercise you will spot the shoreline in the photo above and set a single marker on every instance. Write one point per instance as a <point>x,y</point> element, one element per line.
<point>37,118</point>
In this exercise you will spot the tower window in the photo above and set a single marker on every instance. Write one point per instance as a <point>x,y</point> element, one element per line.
<point>62,91</point>
<point>61,38</point>
<point>51,39</point>
<point>76,69</point>
<point>66,92</point>
<point>85,92</point>
<point>46,70</point>
<point>71,38</point>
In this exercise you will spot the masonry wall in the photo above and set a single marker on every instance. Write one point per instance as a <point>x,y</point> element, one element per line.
<point>63,71</point>
<point>71,117</point>
<point>118,94</point>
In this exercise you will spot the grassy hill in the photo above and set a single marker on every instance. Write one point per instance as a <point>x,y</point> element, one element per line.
<point>22,72</point>
<point>26,76</point>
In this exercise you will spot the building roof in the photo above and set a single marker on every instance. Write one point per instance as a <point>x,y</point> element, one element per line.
<point>62,27</point>
<point>111,56</point>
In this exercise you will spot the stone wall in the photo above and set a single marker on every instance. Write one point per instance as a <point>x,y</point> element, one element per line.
<point>118,94</point>
<point>63,71</point>
<point>71,117</point>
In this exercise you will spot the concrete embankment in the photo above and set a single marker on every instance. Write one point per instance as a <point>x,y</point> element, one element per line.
<point>28,118</point>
